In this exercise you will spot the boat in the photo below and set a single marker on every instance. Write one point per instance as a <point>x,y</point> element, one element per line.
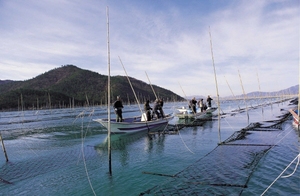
<point>188,113</point>
<point>136,124</point>
<point>295,116</point>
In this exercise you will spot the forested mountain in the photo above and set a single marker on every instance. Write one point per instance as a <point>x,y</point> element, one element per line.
<point>69,85</point>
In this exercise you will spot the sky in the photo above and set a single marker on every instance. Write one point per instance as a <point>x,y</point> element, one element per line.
<point>189,47</point>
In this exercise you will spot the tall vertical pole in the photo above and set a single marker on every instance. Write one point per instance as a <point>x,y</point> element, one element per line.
<point>232,92</point>
<point>108,95</point>
<point>262,108</point>
<point>216,82</point>
<point>244,96</point>
<point>3,147</point>
<point>151,86</point>
<point>299,102</point>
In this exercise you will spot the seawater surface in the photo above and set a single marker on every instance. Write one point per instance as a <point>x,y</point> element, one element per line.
<point>64,152</point>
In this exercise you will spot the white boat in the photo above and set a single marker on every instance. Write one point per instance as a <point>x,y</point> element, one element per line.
<point>136,124</point>
<point>188,113</point>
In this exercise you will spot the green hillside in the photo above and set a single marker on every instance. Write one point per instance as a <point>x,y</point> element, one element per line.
<point>69,86</point>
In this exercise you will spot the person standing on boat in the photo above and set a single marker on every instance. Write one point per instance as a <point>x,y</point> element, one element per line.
<point>201,105</point>
<point>161,104</point>
<point>118,106</point>
<point>204,106</point>
<point>193,105</point>
<point>156,108</point>
<point>147,109</point>
<point>209,99</point>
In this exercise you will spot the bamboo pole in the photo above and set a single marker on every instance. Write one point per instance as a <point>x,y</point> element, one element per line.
<point>22,103</point>
<point>299,103</point>
<point>216,82</point>
<point>135,95</point>
<point>244,96</point>
<point>3,148</point>
<point>108,95</point>
<point>87,100</point>
<point>22,108</point>
<point>155,96</point>
<point>151,86</point>
<point>262,108</point>
<point>73,103</point>
<point>128,100</point>
<point>232,92</point>
<point>194,112</point>
<point>37,104</point>
<point>49,100</point>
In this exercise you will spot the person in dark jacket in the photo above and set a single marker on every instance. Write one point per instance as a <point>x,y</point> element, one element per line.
<point>209,99</point>
<point>156,108</point>
<point>118,106</point>
<point>147,109</point>
<point>161,104</point>
<point>193,104</point>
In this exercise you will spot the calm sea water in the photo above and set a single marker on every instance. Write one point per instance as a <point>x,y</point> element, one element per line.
<point>63,152</point>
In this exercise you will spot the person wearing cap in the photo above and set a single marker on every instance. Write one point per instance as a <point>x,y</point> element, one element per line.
<point>118,106</point>
<point>209,99</point>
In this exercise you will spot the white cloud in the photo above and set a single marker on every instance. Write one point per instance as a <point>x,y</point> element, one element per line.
<point>169,40</point>
<point>22,71</point>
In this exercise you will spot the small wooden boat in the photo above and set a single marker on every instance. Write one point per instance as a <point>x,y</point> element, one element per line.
<point>295,116</point>
<point>136,124</point>
<point>187,113</point>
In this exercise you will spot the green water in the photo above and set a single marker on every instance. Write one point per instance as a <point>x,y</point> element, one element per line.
<point>63,152</point>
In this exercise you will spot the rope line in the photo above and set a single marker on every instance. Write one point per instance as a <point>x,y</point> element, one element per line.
<point>185,143</point>
<point>294,168</point>
<point>280,174</point>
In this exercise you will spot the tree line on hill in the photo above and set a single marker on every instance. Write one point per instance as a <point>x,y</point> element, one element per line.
<point>70,86</point>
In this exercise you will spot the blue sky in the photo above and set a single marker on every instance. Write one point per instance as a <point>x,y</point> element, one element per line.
<point>257,41</point>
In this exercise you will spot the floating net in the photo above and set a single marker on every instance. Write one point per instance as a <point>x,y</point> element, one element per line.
<point>226,169</point>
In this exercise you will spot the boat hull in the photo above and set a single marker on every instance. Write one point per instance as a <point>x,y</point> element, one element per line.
<point>135,124</point>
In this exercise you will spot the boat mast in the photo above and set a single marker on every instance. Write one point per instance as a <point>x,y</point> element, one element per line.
<point>216,82</point>
<point>108,95</point>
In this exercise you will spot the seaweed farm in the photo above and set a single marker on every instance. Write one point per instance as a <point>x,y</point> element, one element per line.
<point>254,151</point>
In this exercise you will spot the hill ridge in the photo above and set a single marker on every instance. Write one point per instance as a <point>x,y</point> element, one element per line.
<point>70,85</point>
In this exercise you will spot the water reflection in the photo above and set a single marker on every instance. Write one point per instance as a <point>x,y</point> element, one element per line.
<point>124,157</point>
<point>149,144</point>
<point>157,140</point>
<point>160,143</point>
